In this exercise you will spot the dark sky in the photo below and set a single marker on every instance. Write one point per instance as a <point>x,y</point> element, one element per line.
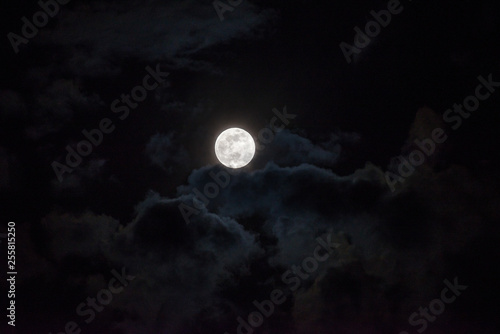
<point>339,173</point>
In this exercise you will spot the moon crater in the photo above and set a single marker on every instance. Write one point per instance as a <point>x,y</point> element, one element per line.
<point>235,148</point>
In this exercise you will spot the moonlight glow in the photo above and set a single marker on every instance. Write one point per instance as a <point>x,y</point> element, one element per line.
<point>234,148</point>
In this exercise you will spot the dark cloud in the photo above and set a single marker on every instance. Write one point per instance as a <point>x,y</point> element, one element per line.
<point>123,206</point>
<point>288,148</point>
<point>166,153</point>
<point>185,270</point>
<point>77,179</point>
<point>56,106</point>
<point>87,235</point>
<point>178,268</point>
<point>174,31</point>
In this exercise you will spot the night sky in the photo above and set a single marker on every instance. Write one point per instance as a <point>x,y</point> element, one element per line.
<point>371,206</point>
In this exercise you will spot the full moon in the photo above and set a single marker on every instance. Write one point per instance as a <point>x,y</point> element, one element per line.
<point>234,148</point>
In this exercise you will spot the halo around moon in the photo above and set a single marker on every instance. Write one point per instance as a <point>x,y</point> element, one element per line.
<point>234,148</point>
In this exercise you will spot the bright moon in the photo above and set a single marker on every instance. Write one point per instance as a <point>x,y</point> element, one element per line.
<point>234,148</point>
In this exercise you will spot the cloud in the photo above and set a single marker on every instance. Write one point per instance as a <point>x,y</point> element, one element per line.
<point>178,269</point>
<point>157,30</point>
<point>54,105</point>
<point>201,276</point>
<point>57,105</point>
<point>84,235</point>
<point>297,190</point>
<point>76,180</point>
<point>186,263</point>
<point>204,274</point>
<point>292,149</point>
<point>289,149</point>
<point>164,152</point>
